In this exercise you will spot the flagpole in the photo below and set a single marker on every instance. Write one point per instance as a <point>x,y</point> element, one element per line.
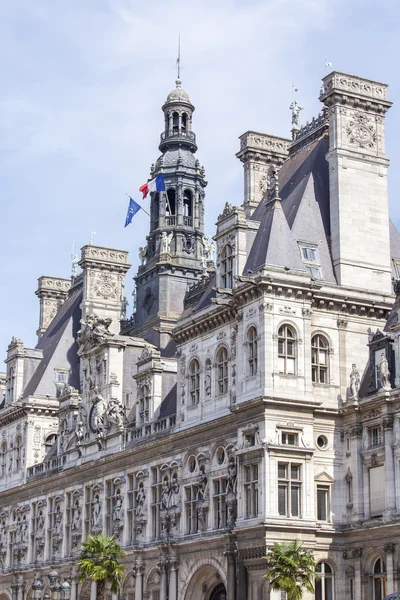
<point>143,209</point>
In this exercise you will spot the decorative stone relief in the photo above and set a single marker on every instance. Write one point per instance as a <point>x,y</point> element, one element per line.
<point>105,286</point>
<point>95,331</point>
<point>170,505</point>
<point>355,381</point>
<point>361,132</point>
<point>149,300</point>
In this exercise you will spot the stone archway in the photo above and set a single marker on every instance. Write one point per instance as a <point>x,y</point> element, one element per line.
<point>206,584</point>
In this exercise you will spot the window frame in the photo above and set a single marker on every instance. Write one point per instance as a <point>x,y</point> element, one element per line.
<point>313,262</point>
<point>194,381</point>
<point>325,578</point>
<point>252,347</point>
<point>319,371</point>
<point>325,489</point>
<point>251,473</point>
<point>144,404</point>
<point>222,379</point>
<point>379,579</point>
<point>289,484</point>
<point>283,354</point>
<point>226,267</point>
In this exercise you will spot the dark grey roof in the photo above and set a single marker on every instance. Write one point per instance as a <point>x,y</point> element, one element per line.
<point>274,244</point>
<point>394,246</point>
<point>60,349</point>
<point>170,158</point>
<point>304,192</point>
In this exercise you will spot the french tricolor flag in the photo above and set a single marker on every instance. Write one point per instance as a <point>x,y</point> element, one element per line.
<point>154,185</point>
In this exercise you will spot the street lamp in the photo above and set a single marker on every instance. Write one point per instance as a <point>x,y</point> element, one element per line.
<point>65,590</point>
<point>37,587</point>
<point>61,591</point>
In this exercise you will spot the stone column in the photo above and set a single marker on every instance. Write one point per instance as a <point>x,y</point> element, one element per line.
<point>21,588</point>
<point>93,590</point>
<point>74,591</point>
<point>170,123</point>
<point>230,554</point>
<point>390,501</point>
<point>389,549</point>
<point>357,577</point>
<point>173,580</point>
<point>139,582</point>
<point>163,580</point>
<point>180,123</point>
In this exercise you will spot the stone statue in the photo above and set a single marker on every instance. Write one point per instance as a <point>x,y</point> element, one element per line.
<point>3,538</point>
<point>207,379</point>
<point>202,482</point>
<point>232,477</point>
<point>396,430</point>
<point>204,263</point>
<point>166,241</point>
<point>99,414</point>
<point>165,493</point>
<point>95,330</point>
<point>76,516</point>
<point>208,247</point>
<point>354,381</point>
<point>384,373</point>
<point>40,525</point>
<point>117,509</point>
<point>96,513</point>
<point>124,308</point>
<point>143,255</point>
<point>140,500</point>
<point>24,529</point>
<point>80,432</point>
<point>175,490</point>
<point>57,530</point>
<point>295,108</point>
<point>116,412</point>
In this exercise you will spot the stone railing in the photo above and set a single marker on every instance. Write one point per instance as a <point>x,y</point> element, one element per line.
<point>47,467</point>
<point>150,429</point>
<point>188,221</point>
<point>175,135</point>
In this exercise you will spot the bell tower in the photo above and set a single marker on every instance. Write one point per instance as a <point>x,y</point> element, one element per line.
<point>173,257</point>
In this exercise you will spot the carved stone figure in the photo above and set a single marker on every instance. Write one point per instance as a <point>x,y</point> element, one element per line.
<point>99,414</point>
<point>202,482</point>
<point>140,500</point>
<point>384,373</point>
<point>95,330</point>
<point>295,108</point>
<point>117,510</point>
<point>166,241</point>
<point>208,247</point>
<point>116,412</point>
<point>96,514</point>
<point>124,308</point>
<point>231,485</point>
<point>354,381</point>
<point>207,379</point>
<point>143,255</point>
<point>3,539</point>
<point>175,491</point>
<point>24,529</point>
<point>57,530</point>
<point>165,493</point>
<point>76,516</point>
<point>40,525</point>
<point>80,432</point>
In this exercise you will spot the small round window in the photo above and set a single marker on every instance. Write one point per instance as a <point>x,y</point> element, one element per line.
<point>220,456</point>
<point>322,442</point>
<point>192,464</point>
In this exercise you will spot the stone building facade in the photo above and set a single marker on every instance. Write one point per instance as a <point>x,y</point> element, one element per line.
<point>252,397</point>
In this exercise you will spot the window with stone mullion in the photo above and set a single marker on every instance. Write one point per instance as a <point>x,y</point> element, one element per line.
<point>319,359</point>
<point>289,490</point>
<point>194,379</point>
<point>156,487</point>
<point>251,490</point>
<point>192,520</point>
<point>253,350</point>
<point>220,507</point>
<point>222,371</point>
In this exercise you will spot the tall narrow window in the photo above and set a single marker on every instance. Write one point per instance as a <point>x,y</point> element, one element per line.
<point>18,447</point>
<point>194,378</point>
<point>287,350</point>
<point>251,490</point>
<point>220,507</point>
<point>289,489</point>
<point>156,488</point>
<point>188,208</point>
<point>144,404</point>
<point>170,208</point>
<point>252,341</point>
<point>227,267</point>
<point>3,456</point>
<point>322,503</point>
<point>379,580</point>
<point>191,502</point>
<point>324,582</point>
<point>319,359</point>
<point>222,371</point>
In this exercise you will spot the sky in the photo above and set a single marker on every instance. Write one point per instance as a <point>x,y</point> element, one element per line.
<point>82,85</point>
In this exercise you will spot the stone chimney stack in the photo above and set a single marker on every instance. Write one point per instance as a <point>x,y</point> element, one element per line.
<point>358,185</point>
<point>52,293</point>
<point>258,152</point>
<point>104,272</point>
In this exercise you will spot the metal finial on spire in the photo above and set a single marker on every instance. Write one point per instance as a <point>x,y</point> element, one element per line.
<point>92,233</point>
<point>178,60</point>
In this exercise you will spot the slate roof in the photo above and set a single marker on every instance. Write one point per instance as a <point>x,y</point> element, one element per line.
<point>304,193</point>
<point>60,349</point>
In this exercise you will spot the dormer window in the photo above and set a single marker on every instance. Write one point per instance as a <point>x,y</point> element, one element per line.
<point>311,260</point>
<point>227,267</point>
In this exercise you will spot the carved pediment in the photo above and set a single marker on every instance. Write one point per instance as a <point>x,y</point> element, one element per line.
<point>324,477</point>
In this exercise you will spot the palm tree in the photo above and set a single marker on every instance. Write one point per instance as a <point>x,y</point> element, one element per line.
<point>291,568</point>
<point>99,560</point>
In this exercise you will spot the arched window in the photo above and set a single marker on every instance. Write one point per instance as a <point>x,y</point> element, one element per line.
<point>3,453</point>
<point>175,122</point>
<point>50,440</point>
<point>170,207</point>
<point>319,359</point>
<point>379,580</point>
<point>184,121</point>
<point>219,592</point>
<point>187,208</point>
<point>194,378</point>
<point>18,449</point>
<point>287,350</point>
<point>227,267</point>
<point>252,342</point>
<point>324,583</point>
<point>156,209</point>
<point>144,404</point>
<point>222,371</point>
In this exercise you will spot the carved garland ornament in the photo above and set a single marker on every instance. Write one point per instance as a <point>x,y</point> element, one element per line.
<point>361,132</point>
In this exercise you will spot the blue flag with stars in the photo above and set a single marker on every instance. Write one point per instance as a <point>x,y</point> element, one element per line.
<point>133,208</point>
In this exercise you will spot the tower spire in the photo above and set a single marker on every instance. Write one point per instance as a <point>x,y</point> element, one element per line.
<point>178,60</point>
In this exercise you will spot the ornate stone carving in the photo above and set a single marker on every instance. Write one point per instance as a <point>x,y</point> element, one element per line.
<point>105,286</point>
<point>95,331</point>
<point>166,240</point>
<point>361,132</point>
<point>355,381</point>
<point>149,300</point>
<point>384,373</point>
<point>116,412</point>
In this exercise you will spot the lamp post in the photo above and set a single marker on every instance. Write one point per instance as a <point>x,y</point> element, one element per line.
<point>61,591</point>
<point>37,588</point>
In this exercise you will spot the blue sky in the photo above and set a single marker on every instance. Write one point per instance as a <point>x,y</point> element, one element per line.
<point>83,82</point>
